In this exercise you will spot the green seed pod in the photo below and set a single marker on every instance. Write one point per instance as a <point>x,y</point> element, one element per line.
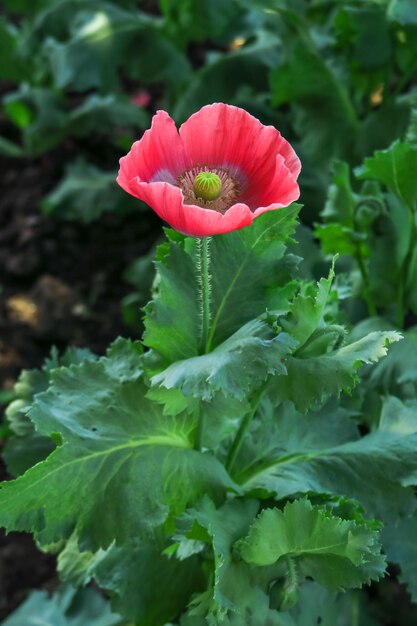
<point>207,186</point>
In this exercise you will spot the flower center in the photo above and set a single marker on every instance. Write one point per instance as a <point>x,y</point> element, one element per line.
<point>209,188</point>
<point>207,185</point>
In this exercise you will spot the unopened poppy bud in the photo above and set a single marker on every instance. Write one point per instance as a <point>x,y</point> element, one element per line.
<point>207,186</point>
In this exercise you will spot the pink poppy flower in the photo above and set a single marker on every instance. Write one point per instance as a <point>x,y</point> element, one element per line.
<point>217,174</point>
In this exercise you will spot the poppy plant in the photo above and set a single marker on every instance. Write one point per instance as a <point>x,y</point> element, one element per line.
<point>216,174</point>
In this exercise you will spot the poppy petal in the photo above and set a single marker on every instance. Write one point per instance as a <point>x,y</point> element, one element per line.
<point>281,190</point>
<point>168,202</point>
<point>224,135</point>
<point>158,156</point>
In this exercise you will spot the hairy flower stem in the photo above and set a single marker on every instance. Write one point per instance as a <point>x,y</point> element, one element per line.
<point>204,286</point>
<point>243,428</point>
<point>204,298</point>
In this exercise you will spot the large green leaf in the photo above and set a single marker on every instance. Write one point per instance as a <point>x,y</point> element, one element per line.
<point>88,41</point>
<point>315,606</point>
<point>101,114</point>
<point>222,528</point>
<point>397,372</point>
<point>67,607</point>
<point>129,574</point>
<point>146,586</point>
<point>12,64</point>
<point>399,540</point>
<point>39,113</point>
<point>290,454</point>
<point>337,553</point>
<point>249,274</point>
<point>85,192</point>
<point>399,537</point>
<point>118,448</point>
<point>313,379</point>
<point>237,590</point>
<point>395,169</point>
<point>310,381</point>
<point>402,11</point>
<point>25,446</point>
<point>235,367</point>
<point>366,33</point>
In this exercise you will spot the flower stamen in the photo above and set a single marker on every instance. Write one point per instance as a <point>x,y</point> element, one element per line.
<point>209,188</point>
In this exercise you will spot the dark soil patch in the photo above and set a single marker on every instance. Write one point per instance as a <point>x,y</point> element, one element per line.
<point>61,281</point>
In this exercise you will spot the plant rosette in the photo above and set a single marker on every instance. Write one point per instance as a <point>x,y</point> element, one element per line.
<point>206,474</point>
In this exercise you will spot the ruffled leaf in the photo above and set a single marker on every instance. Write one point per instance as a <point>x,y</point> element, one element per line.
<point>337,553</point>
<point>235,368</point>
<point>118,448</point>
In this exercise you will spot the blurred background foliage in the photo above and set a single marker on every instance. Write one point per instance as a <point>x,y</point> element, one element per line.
<point>80,80</point>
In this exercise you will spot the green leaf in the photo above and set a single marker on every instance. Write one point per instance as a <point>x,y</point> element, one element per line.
<point>77,567</point>
<point>223,527</point>
<point>402,11</point>
<point>293,454</point>
<point>341,201</point>
<point>39,113</point>
<point>330,373</point>
<point>221,413</point>
<point>395,169</point>
<point>25,447</point>
<point>119,448</point>
<point>12,64</point>
<point>146,586</point>
<point>88,43</point>
<point>237,590</point>
<point>337,234</point>
<point>337,553</point>
<point>323,114</point>
<point>316,605</point>
<point>399,540</point>
<point>66,607</point>
<point>307,310</point>
<point>335,238</point>
<point>103,113</point>
<point>249,274</point>
<point>368,34</point>
<point>85,192</point>
<point>397,372</point>
<point>398,417</point>
<point>411,136</point>
<point>236,367</point>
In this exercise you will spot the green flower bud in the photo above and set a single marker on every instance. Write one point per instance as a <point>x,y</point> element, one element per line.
<point>207,186</point>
